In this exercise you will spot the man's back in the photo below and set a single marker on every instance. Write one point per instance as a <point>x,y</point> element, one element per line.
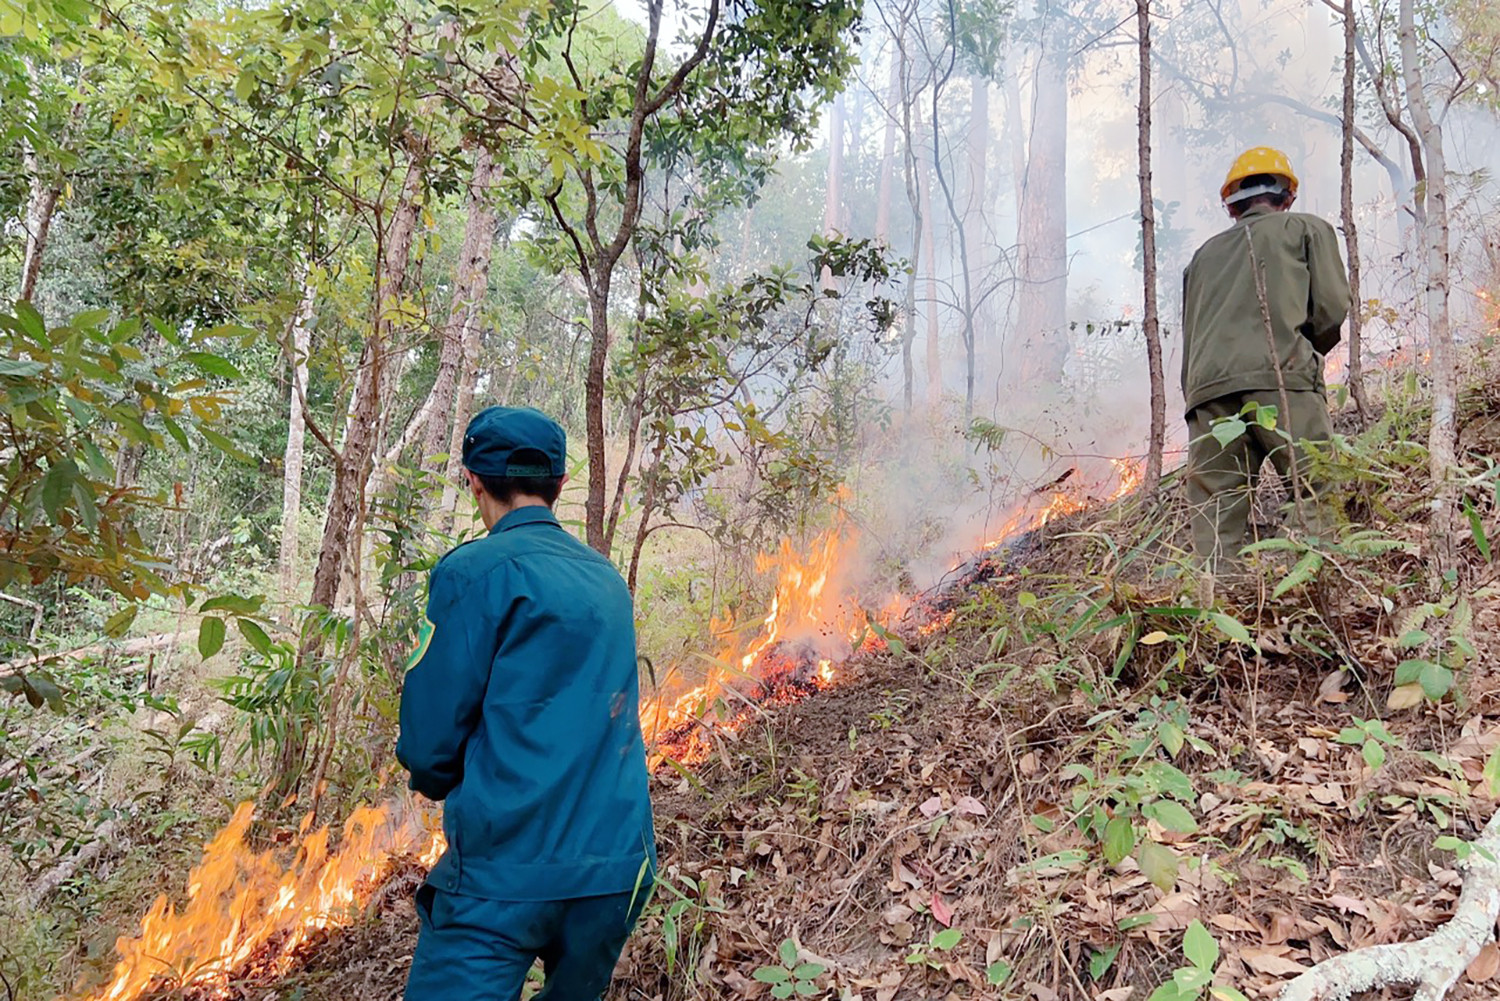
<point>547,797</point>
<point>1225,349</point>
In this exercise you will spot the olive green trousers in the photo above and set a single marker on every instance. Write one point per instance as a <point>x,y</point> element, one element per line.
<point>1221,477</point>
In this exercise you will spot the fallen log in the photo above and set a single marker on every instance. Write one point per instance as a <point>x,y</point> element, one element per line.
<point>128,648</point>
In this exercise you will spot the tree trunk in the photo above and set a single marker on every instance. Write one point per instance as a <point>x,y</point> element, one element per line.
<point>888,155</point>
<point>298,343</point>
<point>911,158</point>
<point>352,465</point>
<point>1149,323</point>
<point>976,224</point>
<point>594,409</point>
<point>1346,208</point>
<point>41,203</point>
<point>929,263</point>
<point>1441,440</point>
<point>463,409</point>
<point>834,194</point>
<point>1042,315</point>
<point>470,286</point>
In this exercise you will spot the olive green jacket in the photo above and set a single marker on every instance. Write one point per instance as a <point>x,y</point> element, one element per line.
<point>1224,348</point>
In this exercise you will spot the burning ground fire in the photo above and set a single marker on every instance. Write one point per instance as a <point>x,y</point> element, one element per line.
<point>246,911</point>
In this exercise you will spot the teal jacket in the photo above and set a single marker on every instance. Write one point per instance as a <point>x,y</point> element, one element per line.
<point>520,712</point>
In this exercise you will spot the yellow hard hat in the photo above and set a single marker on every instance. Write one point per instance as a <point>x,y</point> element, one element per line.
<point>1260,160</point>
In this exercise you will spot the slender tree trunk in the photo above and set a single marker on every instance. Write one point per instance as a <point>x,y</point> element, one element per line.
<point>594,410</point>
<point>1149,322</point>
<point>463,409</point>
<point>976,223</point>
<point>1441,440</point>
<point>1043,312</point>
<point>833,221</point>
<point>888,155</point>
<point>297,346</point>
<point>929,263</point>
<point>353,464</point>
<point>41,202</point>
<point>1351,232</point>
<point>911,159</point>
<point>470,286</point>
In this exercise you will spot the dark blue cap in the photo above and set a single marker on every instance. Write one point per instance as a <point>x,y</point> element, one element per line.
<point>515,441</point>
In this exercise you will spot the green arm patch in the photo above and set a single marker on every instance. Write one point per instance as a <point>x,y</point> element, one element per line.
<point>424,640</point>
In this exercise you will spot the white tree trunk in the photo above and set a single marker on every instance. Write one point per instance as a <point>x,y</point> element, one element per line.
<point>1442,437</point>
<point>298,342</point>
<point>1436,962</point>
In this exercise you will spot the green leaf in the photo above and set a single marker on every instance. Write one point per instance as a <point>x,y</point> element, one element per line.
<point>998,972</point>
<point>117,624</point>
<point>232,603</point>
<point>45,689</point>
<point>1119,839</point>
<point>788,953</point>
<point>1135,921</point>
<point>1199,947</point>
<point>1169,992</point>
<point>56,486</point>
<point>1173,816</point>
<point>1436,681</point>
<point>1481,541</point>
<point>226,446</point>
<point>1492,772</point>
<point>1172,737</point>
<point>1227,431</point>
<point>947,939</point>
<point>1192,979</point>
<point>1415,638</point>
<point>1409,671</point>
<point>1305,570</point>
<point>31,321</point>
<point>1101,961</point>
<point>20,368</point>
<point>807,988</point>
<point>1159,864</point>
<point>212,364</point>
<point>782,991</point>
<point>1231,627</point>
<point>809,971</point>
<point>772,975</point>
<point>1373,753</point>
<point>210,636</point>
<point>255,636</point>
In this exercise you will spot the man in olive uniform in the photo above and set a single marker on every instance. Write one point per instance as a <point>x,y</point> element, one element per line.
<point>1229,362</point>
<point>519,712</point>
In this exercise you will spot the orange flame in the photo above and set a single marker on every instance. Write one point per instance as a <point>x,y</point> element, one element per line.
<point>241,902</point>
<point>806,606</point>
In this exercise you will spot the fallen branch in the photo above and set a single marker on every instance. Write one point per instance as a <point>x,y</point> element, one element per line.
<point>127,648</point>
<point>50,880</point>
<point>1434,963</point>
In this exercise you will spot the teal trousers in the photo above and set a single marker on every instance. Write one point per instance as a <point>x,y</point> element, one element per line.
<point>470,949</point>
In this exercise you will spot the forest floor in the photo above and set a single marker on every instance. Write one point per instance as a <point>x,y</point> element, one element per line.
<point>1036,799</point>
<point>1088,750</point>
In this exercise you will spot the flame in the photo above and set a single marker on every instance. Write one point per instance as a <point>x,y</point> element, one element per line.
<point>808,607</point>
<point>243,904</point>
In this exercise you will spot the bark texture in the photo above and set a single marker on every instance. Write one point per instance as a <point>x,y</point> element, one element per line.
<point>1149,320</point>
<point>470,285</point>
<point>1356,375</point>
<point>298,343</point>
<point>362,430</point>
<point>1442,438</point>
<point>1042,314</point>
<point>1436,962</point>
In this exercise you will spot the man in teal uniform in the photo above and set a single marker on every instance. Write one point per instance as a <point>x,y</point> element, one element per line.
<point>519,712</point>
